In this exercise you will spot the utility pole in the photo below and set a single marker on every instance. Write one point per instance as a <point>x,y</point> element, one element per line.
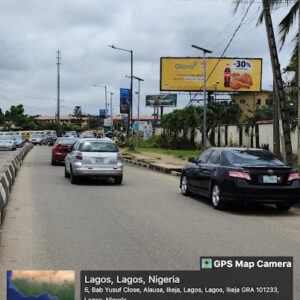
<point>138,111</point>
<point>58,92</point>
<point>298,150</point>
<point>111,116</point>
<point>105,102</point>
<point>284,126</point>
<point>204,92</point>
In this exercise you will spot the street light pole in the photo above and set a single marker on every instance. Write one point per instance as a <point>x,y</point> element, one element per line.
<point>215,84</point>
<point>111,116</point>
<point>138,111</point>
<point>204,92</point>
<point>131,84</point>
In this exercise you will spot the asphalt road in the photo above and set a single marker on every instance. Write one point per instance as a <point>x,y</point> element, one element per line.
<point>6,155</point>
<point>143,224</point>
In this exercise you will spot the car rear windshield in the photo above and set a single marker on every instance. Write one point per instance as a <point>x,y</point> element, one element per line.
<point>252,157</point>
<point>66,141</point>
<point>98,147</point>
<point>6,137</point>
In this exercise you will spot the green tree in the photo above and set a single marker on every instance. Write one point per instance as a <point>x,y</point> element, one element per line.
<point>15,117</point>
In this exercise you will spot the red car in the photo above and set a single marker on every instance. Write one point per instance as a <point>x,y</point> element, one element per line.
<point>60,149</point>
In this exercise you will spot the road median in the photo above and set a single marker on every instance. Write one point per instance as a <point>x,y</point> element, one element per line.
<point>8,172</point>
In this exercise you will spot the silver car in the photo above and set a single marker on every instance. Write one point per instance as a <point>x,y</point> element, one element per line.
<point>94,157</point>
<point>36,138</point>
<point>7,142</point>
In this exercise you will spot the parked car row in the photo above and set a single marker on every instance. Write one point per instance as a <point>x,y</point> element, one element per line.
<point>42,139</point>
<point>88,157</point>
<point>11,142</point>
<point>243,175</point>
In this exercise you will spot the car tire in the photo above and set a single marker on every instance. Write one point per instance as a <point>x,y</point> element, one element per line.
<point>118,179</point>
<point>184,186</point>
<point>74,178</point>
<point>53,162</point>
<point>283,206</point>
<point>67,175</point>
<point>216,199</point>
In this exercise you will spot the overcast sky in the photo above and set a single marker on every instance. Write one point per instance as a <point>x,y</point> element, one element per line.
<point>32,31</point>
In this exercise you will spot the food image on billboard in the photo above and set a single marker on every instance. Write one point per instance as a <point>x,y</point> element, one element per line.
<point>124,101</point>
<point>232,74</point>
<point>161,100</point>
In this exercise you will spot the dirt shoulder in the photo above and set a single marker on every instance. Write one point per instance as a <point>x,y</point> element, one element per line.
<point>156,158</point>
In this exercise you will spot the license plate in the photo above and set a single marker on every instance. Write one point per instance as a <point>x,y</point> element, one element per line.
<point>269,179</point>
<point>99,160</point>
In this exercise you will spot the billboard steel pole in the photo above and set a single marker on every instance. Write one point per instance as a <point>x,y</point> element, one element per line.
<point>138,111</point>
<point>204,92</point>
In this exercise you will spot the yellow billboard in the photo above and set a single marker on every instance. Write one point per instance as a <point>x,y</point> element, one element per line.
<point>222,75</point>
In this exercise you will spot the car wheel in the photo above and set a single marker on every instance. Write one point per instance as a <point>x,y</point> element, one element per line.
<point>185,186</point>
<point>53,162</point>
<point>118,179</point>
<point>216,200</point>
<point>284,206</point>
<point>74,178</point>
<point>67,175</point>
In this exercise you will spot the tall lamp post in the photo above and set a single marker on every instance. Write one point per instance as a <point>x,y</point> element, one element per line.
<point>204,91</point>
<point>215,84</point>
<point>111,116</point>
<point>138,114</point>
<point>131,79</point>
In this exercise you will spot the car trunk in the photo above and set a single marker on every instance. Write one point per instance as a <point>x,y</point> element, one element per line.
<point>99,159</point>
<point>268,175</point>
<point>63,148</point>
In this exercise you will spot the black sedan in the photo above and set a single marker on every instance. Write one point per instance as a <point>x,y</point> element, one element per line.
<point>241,175</point>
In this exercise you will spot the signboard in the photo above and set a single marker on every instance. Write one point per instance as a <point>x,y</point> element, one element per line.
<point>108,122</point>
<point>230,74</point>
<point>124,101</point>
<point>102,113</point>
<point>161,100</point>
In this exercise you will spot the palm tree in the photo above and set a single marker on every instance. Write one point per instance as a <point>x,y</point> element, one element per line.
<point>287,145</point>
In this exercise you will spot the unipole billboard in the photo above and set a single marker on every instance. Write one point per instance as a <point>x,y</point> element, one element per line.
<point>124,101</point>
<point>223,75</point>
<point>161,100</point>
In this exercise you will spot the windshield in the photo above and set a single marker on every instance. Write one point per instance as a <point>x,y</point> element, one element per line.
<point>66,141</point>
<point>252,157</point>
<point>98,146</point>
<point>6,137</point>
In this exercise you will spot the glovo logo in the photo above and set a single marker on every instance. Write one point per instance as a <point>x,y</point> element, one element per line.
<point>182,66</point>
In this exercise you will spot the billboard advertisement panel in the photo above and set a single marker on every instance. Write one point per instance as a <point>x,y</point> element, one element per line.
<point>124,101</point>
<point>225,74</point>
<point>161,100</point>
<point>102,113</point>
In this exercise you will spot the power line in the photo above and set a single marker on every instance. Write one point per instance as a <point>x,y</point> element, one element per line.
<point>234,34</point>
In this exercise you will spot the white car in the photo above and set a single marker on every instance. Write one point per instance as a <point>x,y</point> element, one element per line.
<point>36,138</point>
<point>7,142</point>
<point>94,157</point>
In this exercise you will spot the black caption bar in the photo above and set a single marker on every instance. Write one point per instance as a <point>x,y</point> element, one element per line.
<point>219,278</point>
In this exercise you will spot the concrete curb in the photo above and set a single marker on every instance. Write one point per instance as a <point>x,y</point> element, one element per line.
<point>154,167</point>
<point>8,174</point>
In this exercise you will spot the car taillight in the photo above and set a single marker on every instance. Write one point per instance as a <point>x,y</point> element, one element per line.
<point>119,156</point>
<point>78,155</point>
<point>58,148</point>
<point>294,176</point>
<point>240,175</point>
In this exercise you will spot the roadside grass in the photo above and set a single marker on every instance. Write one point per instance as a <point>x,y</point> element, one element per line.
<point>183,154</point>
<point>64,291</point>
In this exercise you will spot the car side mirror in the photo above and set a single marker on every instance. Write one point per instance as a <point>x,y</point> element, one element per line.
<point>192,160</point>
